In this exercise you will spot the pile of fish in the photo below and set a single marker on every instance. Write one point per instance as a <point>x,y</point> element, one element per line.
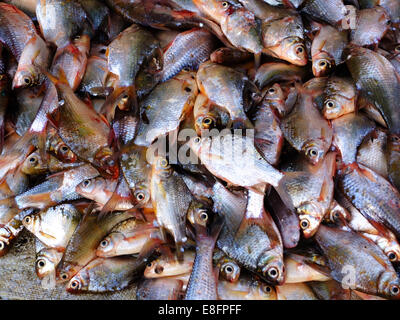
<point>204,149</point>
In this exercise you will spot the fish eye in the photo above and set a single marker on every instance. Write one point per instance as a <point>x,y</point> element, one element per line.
<point>207,122</point>
<point>228,269</point>
<point>273,272</point>
<point>330,104</point>
<point>28,81</point>
<point>394,290</point>
<point>140,196</point>
<point>104,243</point>
<point>322,64</point>
<point>164,163</point>
<point>74,284</point>
<point>187,89</point>
<point>204,216</point>
<point>2,245</point>
<point>271,90</point>
<point>397,49</point>
<point>304,224</point>
<point>33,160</point>
<point>395,139</point>
<point>86,183</point>
<point>41,263</point>
<point>225,4</point>
<point>64,148</point>
<point>159,269</point>
<point>392,256</point>
<point>64,276</point>
<point>299,50</point>
<point>266,289</point>
<point>336,215</point>
<point>149,264</point>
<point>197,140</point>
<point>27,219</point>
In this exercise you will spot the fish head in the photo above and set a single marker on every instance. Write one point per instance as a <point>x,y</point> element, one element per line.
<point>5,239</point>
<point>230,271</point>
<point>155,269</point>
<point>389,285</point>
<point>263,291</point>
<point>310,216</point>
<point>161,167</point>
<point>322,64</point>
<point>272,268</point>
<point>30,222</point>
<point>82,42</point>
<point>294,51</point>
<point>394,140</point>
<point>79,282</point>
<point>198,214</point>
<point>87,188</point>
<point>25,78</point>
<point>313,151</point>
<point>206,121</point>
<point>45,263</point>
<point>142,195</point>
<point>106,247</point>
<point>106,163</point>
<point>34,164</point>
<point>336,106</point>
<point>275,97</point>
<point>392,251</point>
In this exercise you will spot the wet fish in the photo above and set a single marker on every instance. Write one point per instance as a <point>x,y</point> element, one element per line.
<point>339,97</point>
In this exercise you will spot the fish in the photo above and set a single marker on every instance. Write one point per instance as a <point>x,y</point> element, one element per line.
<point>306,130</point>
<point>126,240</point>
<point>203,281</point>
<point>327,50</point>
<point>83,244</point>
<point>19,35</point>
<point>160,289</point>
<point>166,106</point>
<point>167,267</point>
<point>339,97</point>
<point>372,153</point>
<point>91,278</point>
<point>96,130</point>
<point>60,22</point>
<point>171,200</point>
<point>311,191</point>
<point>267,133</point>
<point>217,154</point>
<point>371,269</point>
<point>182,54</point>
<point>332,12</point>
<point>381,206</point>
<point>348,133</point>
<point>271,72</point>
<point>375,78</point>
<point>372,24</point>
<point>295,291</point>
<point>227,88</point>
<point>229,270</point>
<point>54,226</point>
<point>46,261</point>
<point>247,288</point>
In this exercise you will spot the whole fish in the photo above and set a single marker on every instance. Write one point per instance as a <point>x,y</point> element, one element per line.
<point>188,50</point>
<point>83,244</point>
<point>306,130</point>
<point>96,275</point>
<point>170,198</point>
<point>54,226</point>
<point>327,50</point>
<point>125,240</point>
<point>371,270</point>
